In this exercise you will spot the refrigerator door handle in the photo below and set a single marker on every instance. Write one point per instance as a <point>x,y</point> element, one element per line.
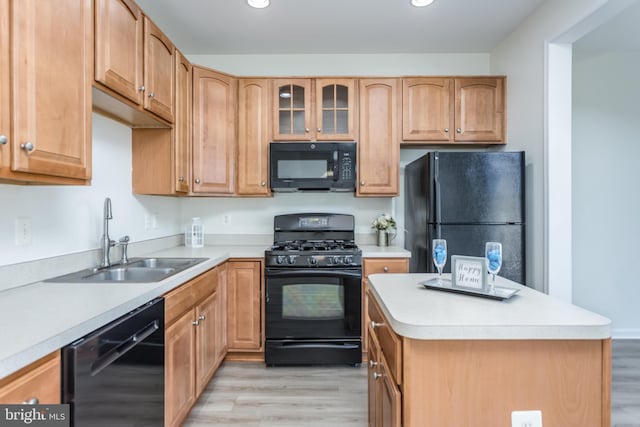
<point>436,181</point>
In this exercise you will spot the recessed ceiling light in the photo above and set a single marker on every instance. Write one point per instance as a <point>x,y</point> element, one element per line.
<point>258,4</point>
<point>421,3</point>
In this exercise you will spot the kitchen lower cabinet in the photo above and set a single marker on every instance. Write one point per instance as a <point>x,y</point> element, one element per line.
<point>195,342</point>
<point>378,146</point>
<point>244,307</point>
<point>376,266</point>
<point>38,383</point>
<point>45,91</point>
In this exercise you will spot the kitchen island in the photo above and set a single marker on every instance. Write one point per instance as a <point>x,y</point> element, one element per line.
<point>449,360</point>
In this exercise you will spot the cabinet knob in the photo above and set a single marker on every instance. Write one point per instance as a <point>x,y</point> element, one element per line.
<point>386,269</point>
<point>32,401</point>
<point>142,88</point>
<point>319,129</point>
<point>181,179</point>
<point>263,183</point>
<point>459,130</point>
<point>307,130</point>
<point>202,317</point>
<point>372,363</point>
<point>3,139</point>
<point>375,324</point>
<point>195,322</point>
<point>446,130</point>
<point>151,94</point>
<point>376,375</point>
<point>362,183</point>
<point>28,146</point>
<point>197,180</point>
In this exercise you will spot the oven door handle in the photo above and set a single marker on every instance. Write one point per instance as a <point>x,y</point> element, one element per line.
<point>339,274</point>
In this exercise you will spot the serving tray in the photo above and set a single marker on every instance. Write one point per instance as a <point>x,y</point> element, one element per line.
<point>499,294</point>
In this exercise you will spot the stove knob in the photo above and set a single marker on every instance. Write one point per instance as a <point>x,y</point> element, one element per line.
<point>280,259</point>
<point>348,259</point>
<point>313,260</point>
<point>291,259</point>
<point>337,260</point>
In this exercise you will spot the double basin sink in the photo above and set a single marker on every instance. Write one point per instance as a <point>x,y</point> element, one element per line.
<point>138,270</point>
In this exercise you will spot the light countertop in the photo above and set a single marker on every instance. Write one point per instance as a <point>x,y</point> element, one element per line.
<point>419,313</point>
<point>372,251</point>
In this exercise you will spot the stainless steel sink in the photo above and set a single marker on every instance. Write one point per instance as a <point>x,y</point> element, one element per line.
<point>138,270</point>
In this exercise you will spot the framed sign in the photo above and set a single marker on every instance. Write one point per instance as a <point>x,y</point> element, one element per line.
<point>469,272</point>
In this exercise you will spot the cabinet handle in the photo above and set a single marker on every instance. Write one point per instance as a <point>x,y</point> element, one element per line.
<point>263,183</point>
<point>151,94</point>
<point>386,269</point>
<point>307,130</point>
<point>376,375</point>
<point>32,401</point>
<point>195,322</point>
<point>28,146</point>
<point>3,139</point>
<point>197,180</point>
<point>372,363</point>
<point>202,317</point>
<point>459,130</point>
<point>446,130</point>
<point>319,129</point>
<point>181,179</point>
<point>374,324</point>
<point>142,88</point>
<point>362,183</point>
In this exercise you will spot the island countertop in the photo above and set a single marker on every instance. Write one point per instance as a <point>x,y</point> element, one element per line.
<point>419,313</point>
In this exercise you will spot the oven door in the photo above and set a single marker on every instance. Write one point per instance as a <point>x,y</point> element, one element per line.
<point>313,303</point>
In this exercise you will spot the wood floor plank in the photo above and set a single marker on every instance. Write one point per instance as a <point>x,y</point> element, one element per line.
<point>251,395</point>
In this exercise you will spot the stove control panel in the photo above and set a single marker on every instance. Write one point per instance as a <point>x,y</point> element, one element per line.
<point>308,260</point>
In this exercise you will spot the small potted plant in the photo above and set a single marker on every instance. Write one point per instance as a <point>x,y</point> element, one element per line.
<point>383,225</point>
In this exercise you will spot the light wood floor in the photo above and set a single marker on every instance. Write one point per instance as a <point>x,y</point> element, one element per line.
<point>251,395</point>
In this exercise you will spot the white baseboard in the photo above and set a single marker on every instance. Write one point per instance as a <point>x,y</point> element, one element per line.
<point>625,333</point>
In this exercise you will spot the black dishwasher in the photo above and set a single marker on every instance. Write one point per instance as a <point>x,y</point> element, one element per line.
<point>115,375</point>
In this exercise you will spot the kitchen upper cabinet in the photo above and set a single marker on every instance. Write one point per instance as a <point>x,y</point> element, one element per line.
<point>159,72</point>
<point>161,158</point>
<point>134,66</point>
<point>480,109</point>
<point>453,110</point>
<point>378,147</point>
<point>253,137</point>
<point>119,47</point>
<point>244,298</point>
<point>45,91</point>
<point>214,135</point>
<point>298,115</point>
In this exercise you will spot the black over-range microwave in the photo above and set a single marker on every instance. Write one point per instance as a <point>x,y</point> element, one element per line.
<point>312,166</point>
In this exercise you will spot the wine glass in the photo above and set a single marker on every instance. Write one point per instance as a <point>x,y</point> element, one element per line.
<point>439,256</point>
<point>493,253</point>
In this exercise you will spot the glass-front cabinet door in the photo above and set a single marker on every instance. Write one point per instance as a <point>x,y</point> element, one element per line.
<point>292,119</point>
<point>335,105</point>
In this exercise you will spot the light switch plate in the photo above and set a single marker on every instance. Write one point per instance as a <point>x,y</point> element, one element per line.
<point>526,419</point>
<point>23,231</point>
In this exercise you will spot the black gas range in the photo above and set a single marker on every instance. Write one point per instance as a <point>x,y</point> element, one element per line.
<point>313,278</point>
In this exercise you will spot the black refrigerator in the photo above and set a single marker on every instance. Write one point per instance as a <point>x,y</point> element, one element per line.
<point>467,198</point>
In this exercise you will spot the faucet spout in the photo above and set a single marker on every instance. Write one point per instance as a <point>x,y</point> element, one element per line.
<point>105,241</point>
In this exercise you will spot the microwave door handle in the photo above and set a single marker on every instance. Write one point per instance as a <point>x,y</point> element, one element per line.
<point>336,165</point>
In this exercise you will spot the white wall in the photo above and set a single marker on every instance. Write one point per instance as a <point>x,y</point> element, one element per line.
<point>606,224</point>
<point>69,219</point>
<point>521,57</point>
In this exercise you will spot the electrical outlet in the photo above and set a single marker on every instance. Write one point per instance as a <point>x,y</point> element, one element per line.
<point>148,221</point>
<point>154,221</point>
<point>23,231</point>
<point>226,219</point>
<point>526,419</point>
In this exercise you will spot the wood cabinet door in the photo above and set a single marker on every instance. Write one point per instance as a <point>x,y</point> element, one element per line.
<point>180,364</point>
<point>159,72</point>
<point>390,400</point>
<point>51,83</point>
<point>39,382</point>
<point>213,132</point>
<point>207,315</point>
<point>378,147</point>
<point>5,87</point>
<point>335,109</point>
<point>253,137</point>
<point>182,124</point>
<point>373,380</point>
<point>118,47</point>
<point>427,109</point>
<point>292,115</point>
<point>244,311</point>
<point>480,109</point>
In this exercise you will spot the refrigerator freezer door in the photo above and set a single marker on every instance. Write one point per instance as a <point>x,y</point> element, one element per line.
<point>475,187</point>
<point>470,240</point>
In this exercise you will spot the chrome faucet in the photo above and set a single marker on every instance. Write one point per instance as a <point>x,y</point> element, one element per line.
<point>105,240</point>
